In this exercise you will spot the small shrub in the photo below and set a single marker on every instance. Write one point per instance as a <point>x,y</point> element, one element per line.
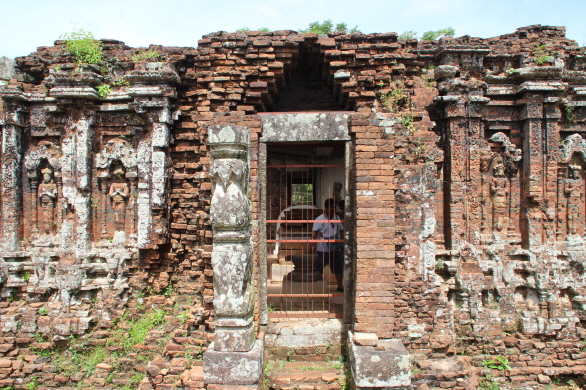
<point>487,383</point>
<point>43,311</point>
<point>433,35</point>
<point>569,114</point>
<point>407,120</point>
<point>82,45</point>
<point>408,35</point>
<point>327,27</point>
<point>184,316</point>
<point>33,384</point>
<point>104,90</point>
<point>543,54</point>
<point>498,363</point>
<point>168,291</point>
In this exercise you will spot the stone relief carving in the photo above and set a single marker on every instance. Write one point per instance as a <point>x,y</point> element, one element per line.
<point>116,149</point>
<point>498,168</point>
<point>47,194</point>
<point>117,177</point>
<point>43,164</point>
<point>511,152</point>
<point>118,194</point>
<point>230,207</point>
<point>574,190</point>
<point>499,188</point>
<point>572,144</point>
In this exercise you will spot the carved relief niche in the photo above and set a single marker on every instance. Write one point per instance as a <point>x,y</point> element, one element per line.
<point>114,202</point>
<point>500,185</point>
<point>43,165</point>
<point>571,187</point>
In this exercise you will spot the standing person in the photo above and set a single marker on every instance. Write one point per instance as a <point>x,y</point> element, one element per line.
<point>329,252</point>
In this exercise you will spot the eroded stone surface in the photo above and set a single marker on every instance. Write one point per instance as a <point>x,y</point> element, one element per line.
<point>387,365</point>
<point>225,367</point>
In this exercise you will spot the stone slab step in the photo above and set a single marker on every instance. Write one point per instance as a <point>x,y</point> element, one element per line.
<point>305,375</point>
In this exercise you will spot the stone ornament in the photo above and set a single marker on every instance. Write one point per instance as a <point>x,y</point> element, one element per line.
<point>45,150</point>
<point>572,144</point>
<point>230,207</point>
<point>116,149</point>
<point>511,152</point>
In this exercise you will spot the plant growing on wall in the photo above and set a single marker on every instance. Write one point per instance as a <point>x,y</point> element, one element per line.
<point>569,114</point>
<point>145,55</point>
<point>429,35</point>
<point>103,90</point>
<point>246,29</point>
<point>498,363</point>
<point>328,27</point>
<point>83,46</point>
<point>433,35</point>
<point>408,35</point>
<point>543,54</point>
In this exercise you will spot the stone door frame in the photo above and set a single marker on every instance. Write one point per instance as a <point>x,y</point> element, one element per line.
<point>307,127</point>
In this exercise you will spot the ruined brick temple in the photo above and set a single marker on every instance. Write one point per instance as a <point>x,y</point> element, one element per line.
<point>189,189</point>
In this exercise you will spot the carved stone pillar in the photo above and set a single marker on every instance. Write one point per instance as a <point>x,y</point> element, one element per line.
<point>35,206</point>
<point>152,173</point>
<point>235,357</point>
<point>76,174</point>
<point>533,164</point>
<point>11,186</point>
<point>457,158</point>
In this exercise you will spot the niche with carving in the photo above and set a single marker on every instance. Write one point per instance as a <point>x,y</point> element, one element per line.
<point>571,187</point>
<point>43,165</point>
<point>500,183</point>
<point>114,201</point>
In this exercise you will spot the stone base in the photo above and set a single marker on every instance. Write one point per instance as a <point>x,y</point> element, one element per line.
<point>384,365</point>
<point>237,339</point>
<point>234,368</point>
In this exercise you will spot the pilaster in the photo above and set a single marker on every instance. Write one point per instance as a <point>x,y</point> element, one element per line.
<point>235,357</point>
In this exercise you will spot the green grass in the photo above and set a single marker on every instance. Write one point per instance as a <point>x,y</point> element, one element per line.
<point>145,55</point>
<point>139,329</point>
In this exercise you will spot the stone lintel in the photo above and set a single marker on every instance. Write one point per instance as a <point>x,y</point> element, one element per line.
<point>385,366</point>
<point>328,126</point>
<point>229,135</point>
<point>234,368</point>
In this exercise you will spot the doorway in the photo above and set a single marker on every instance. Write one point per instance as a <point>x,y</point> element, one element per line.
<point>300,178</point>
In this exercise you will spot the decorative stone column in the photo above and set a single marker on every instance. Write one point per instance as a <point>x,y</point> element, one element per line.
<point>76,171</point>
<point>11,184</point>
<point>235,357</point>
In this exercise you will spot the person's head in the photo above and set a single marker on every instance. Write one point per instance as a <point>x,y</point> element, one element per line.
<point>330,207</point>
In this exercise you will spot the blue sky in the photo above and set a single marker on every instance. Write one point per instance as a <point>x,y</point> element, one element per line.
<point>27,24</point>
